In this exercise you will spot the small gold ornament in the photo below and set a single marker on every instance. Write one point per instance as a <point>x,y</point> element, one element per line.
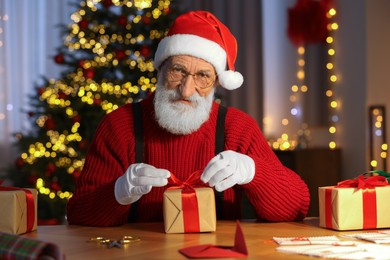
<point>119,243</point>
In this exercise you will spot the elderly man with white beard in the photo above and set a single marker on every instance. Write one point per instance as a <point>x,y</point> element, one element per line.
<point>126,174</point>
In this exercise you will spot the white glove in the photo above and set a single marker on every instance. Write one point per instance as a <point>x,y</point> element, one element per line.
<point>227,169</point>
<point>138,180</point>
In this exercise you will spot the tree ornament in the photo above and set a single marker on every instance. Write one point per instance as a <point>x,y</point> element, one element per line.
<point>76,119</point>
<point>19,162</point>
<point>97,101</point>
<point>82,63</point>
<point>120,54</point>
<point>55,186</point>
<point>145,51</point>
<point>83,145</point>
<point>50,169</point>
<point>83,24</point>
<point>106,3</point>
<point>50,123</point>
<point>62,95</point>
<point>59,58</point>
<point>32,179</point>
<point>89,73</point>
<point>76,174</point>
<point>41,90</point>
<point>122,20</point>
<point>146,20</point>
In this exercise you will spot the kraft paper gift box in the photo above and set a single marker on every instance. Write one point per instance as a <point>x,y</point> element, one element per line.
<point>366,206</point>
<point>18,209</point>
<point>183,216</point>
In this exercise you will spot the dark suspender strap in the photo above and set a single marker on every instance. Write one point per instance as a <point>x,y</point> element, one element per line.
<point>220,133</point>
<point>138,132</point>
<point>219,147</point>
<point>139,150</point>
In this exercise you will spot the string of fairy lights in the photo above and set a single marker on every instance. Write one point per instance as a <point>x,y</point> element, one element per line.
<point>89,91</point>
<point>378,145</point>
<point>297,96</point>
<point>334,103</point>
<point>298,90</point>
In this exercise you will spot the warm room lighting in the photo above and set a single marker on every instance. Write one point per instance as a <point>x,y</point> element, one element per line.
<point>299,89</point>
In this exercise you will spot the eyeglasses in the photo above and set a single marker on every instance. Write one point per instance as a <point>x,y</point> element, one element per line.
<point>202,79</point>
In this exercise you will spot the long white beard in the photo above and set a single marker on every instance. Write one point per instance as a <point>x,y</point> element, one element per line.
<point>177,117</point>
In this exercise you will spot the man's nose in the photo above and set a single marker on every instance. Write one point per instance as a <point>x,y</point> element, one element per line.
<point>188,87</point>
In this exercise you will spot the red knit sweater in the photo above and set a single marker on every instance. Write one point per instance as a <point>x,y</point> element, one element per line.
<point>276,192</point>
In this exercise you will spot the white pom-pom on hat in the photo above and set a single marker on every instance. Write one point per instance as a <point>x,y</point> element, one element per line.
<point>230,79</point>
<point>202,35</point>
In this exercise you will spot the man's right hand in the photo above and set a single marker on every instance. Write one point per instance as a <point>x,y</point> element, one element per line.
<point>138,180</point>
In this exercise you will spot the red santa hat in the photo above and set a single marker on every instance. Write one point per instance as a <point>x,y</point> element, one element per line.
<point>202,35</point>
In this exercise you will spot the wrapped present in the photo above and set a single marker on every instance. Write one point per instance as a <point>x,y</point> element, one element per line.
<point>189,208</point>
<point>361,203</point>
<point>19,210</point>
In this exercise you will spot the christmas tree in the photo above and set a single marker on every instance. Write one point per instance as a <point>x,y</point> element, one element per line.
<point>107,58</point>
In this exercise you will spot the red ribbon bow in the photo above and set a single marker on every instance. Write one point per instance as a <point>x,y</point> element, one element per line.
<point>363,183</point>
<point>192,181</point>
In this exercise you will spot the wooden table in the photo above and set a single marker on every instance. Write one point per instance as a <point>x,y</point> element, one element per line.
<point>155,244</point>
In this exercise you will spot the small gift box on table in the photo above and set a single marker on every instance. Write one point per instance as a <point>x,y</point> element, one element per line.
<point>18,209</point>
<point>188,207</point>
<point>361,203</point>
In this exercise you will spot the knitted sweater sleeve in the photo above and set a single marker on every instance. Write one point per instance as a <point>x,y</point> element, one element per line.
<point>276,192</point>
<point>93,202</point>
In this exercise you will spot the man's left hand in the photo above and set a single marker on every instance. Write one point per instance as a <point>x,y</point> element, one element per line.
<point>227,169</point>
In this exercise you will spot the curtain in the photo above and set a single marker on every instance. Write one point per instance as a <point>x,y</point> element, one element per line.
<point>29,36</point>
<point>244,20</point>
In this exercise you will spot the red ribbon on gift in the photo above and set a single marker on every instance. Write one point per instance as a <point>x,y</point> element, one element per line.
<point>369,198</point>
<point>189,200</point>
<point>30,205</point>
<point>363,183</point>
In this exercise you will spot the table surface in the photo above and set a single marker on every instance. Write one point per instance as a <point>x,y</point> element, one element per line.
<point>156,244</point>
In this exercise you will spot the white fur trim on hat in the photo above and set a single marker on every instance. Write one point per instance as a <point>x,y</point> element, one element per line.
<point>193,45</point>
<point>189,44</point>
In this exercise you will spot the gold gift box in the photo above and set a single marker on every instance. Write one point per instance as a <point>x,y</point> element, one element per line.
<point>173,210</point>
<point>13,208</point>
<point>347,208</point>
